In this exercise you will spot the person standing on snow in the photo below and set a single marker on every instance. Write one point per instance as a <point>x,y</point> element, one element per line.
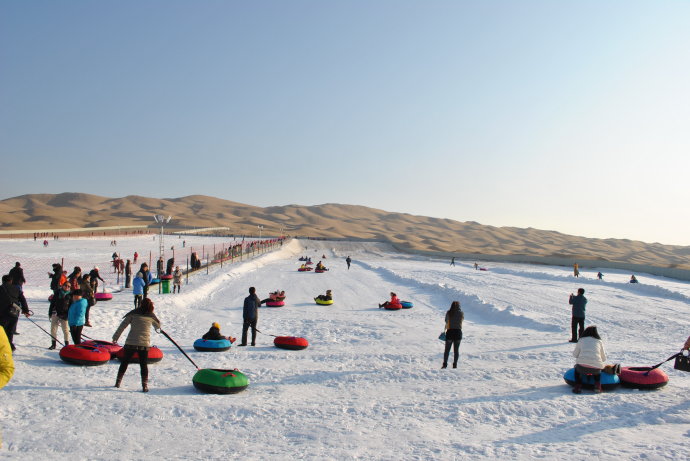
<point>76,316</point>
<point>138,340</point>
<point>578,320</point>
<point>6,361</point>
<point>87,293</point>
<point>348,261</point>
<point>57,313</point>
<point>177,279</point>
<point>95,277</point>
<point>454,318</point>
<point>138,289</point>
<point>128,274</point>
<point>17,274</point>
<point>146,277</point>
<point>12,302</point>
<point>250,315</point>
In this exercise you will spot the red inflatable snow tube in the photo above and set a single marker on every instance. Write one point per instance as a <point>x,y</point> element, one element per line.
<point>275,303</point>
<point>112,348</point>
<point>292,343</point>
<point>304,269</point>
<point>103,296</point>
<point>155,355</point>
<point>166,277</point>
<point>643,377</point>
<point>80,354</point>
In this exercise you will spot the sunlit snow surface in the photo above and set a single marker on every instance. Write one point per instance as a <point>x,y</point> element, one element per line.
<point>370,385</point>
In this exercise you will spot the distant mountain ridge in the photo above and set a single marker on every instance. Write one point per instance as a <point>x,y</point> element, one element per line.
<point>410,232</point>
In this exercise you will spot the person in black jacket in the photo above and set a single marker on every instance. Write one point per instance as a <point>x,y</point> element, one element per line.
<point>577,323</point>
<point>55,277</point>
<point>146,276</point>
<point>17,274</point>
<point>250,315</point>
<point>214,333</point>
<point>57,313</point>
<point>128,274</point>
<point>12,301</point>
<point>159,267</point>
<point>95,277</point>
<point>454,318</point>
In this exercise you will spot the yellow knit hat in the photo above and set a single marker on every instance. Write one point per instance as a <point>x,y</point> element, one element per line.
<point>216,325</point>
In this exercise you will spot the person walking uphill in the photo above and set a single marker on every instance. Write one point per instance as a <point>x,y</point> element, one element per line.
<point>578,302</point>
<point>454,318</point>
<point>140,321</point>
<point>250,315</point>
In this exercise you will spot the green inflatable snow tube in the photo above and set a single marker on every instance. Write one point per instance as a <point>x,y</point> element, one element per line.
<point>214,381</point>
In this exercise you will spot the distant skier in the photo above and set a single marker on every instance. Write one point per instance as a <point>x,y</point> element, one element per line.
<point>576,270</point>
<point>452,261</point>
<point>600,276</point>
<point>633,279</point>
<point>348,261</point>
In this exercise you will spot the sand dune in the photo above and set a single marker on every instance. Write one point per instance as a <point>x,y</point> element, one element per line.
<point>407,232</point>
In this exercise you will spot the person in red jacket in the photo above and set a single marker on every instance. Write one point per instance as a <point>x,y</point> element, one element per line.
<point>394,302</point>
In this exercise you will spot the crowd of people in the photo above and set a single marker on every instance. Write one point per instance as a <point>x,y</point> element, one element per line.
<point>74,295</point>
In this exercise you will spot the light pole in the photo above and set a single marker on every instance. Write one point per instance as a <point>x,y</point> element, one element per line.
<point>162,220</point>
<point>260,228</point>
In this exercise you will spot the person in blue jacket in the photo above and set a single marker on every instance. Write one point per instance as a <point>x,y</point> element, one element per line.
<point>138,289</point>
<point>76,316</point>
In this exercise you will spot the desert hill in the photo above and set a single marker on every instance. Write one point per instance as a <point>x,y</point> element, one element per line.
<point>407,232</point>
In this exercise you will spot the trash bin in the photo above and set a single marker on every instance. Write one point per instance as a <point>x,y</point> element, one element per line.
<point>165,286</point>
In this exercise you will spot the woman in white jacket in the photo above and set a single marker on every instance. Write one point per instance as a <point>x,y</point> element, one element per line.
<point>590,358</point>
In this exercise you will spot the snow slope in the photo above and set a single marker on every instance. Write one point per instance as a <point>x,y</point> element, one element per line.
<point>370,384</point>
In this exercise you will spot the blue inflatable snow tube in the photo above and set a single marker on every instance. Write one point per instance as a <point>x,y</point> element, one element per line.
<point>406,304</point>
<point>607,381</point>
<point>212,345</point>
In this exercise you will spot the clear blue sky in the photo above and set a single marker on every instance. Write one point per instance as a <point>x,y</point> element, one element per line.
<point>567,116</point>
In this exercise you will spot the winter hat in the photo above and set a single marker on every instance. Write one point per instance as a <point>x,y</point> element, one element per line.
<point>216,325</point>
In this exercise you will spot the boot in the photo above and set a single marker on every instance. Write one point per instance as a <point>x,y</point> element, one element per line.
<point>455,365</point>
<point>52,345</point>
<point>445,365</point>
<point>144,384</point>
<point>66,343</point>
<point>577,389</point>
<point>597,388</point>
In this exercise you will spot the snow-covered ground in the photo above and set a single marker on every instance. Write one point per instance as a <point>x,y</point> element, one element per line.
<point>370,386</point>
